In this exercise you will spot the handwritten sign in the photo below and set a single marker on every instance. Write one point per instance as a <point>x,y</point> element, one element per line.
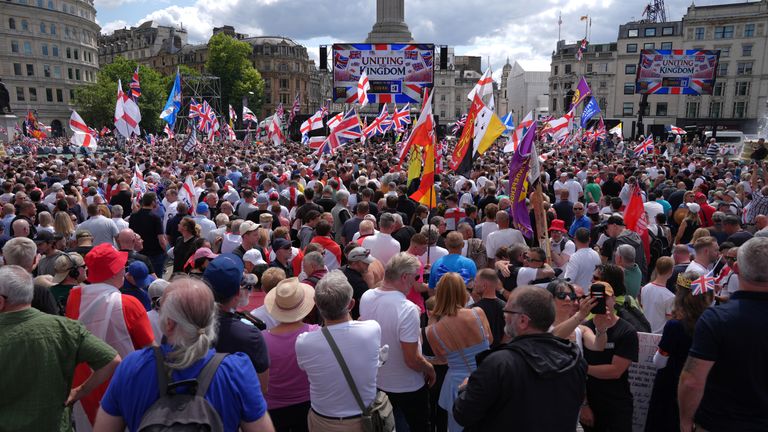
<point>641,376</point>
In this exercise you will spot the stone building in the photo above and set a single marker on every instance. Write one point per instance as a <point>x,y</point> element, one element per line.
<point>49,49</point>
<point>526,87</point>
<point>141,43</point>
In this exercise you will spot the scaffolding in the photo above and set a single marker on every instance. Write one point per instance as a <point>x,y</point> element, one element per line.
<point>200,88</point>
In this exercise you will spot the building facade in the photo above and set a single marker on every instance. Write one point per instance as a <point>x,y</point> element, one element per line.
<point>47,49</point>
<point>527,90</point>
<point>453,84</point>
<point>141,43</point>
<point>738,102</point>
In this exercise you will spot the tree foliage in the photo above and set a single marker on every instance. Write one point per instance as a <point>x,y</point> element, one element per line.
<point>96,102</point>
<point>229,59</point>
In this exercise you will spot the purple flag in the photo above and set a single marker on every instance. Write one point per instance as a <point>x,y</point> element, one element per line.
<point>582,92</point>
<point>519,167</point>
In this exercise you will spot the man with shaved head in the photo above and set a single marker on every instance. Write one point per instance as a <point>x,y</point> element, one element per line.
<point>126,242</point>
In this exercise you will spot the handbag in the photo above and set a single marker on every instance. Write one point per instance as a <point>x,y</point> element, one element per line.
<point>377,417</point>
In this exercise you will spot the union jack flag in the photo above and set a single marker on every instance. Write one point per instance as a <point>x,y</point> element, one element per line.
<point>135,86</point>
<point>348,129</point>
<point>208,121</point>
<point>703,284</point>
<point>384,121</point>
<point>427,56</point>
<point>168,131</point>
<point>401,118</point>
<point>355,54</point>
<point>459,124</point>
<point>150,139</point>
<point>194,109</point>
<point>249,116</point>
<point>340,61</point>
<point>645,147</point>
<point>294,109</point>
<point>280,111</point>
<point>411,55</point>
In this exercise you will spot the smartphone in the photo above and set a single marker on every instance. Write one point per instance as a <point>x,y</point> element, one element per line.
<point>598,291</point>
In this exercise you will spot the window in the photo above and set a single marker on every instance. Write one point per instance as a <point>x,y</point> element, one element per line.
<point>556,68</point>
<point>71,95</point>
<point>603,67</point>
<point>284,98</point>
<point>17,69</point>
<point>69,52</point>
<point>53,29</point>
<point>55,50</point>
<point>724,32</point>
<point>554,105</point>
<point>11,23</point>
<point>650,31</point>
<point>589,67</point>
<point>44,49</point>
<point>630,69</point>
<point>283,83</point>
<point>24,25</point>
<point>20,94</point>
<point>725,51</point>
<point>740,109</point>
<point>632,48</point>
<point>633,33</point>
<point>442,98</point>
<point>742,88</point>
<point>719,89</point>
<point>39,3</point>
<point>14,46</point>
<point>629,88</point>
<point>666,45</point>
<point>627,109</point>
<point>77,55</point>
<point>47,71</point>
<point>49,95</point>
<point>567,69</point>
<point>699,33</point>
<point>59,95</point>
<point>77,74</point>
<point>746,50</point>
<point>42,26</point>
<point>602,104</point>
<point>715,109</point>
<point>57,72</point>
<point>27,48</point>
<point>70,74</point>
<point>744,68</point>
<point>749,30</point>
<point>661,109</point>
<point>667,31</point>
<point>649,46</point>
<point>555,86</point>
<point>32,94</point>
<point>50,4</point>
<point>30,70</point>
<point>442,114</point>
<point>603,84</point>
<point>722,69</point>
<point>692,109</point>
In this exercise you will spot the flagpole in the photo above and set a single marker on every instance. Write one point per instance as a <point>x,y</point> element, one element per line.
<point>540,217</point>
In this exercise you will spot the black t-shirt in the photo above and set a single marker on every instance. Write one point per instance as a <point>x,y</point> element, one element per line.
<point>611,188</point>
<point>359,287</point>
<point>254,217</point>
<point>739,237</point>
<point>149,227</point>
<point>622,341</point>
<point>494,311</point>
<point>403,236</point>
<point>237,336</point>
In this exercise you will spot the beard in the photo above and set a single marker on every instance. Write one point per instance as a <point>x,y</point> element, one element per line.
<point>510,330</point>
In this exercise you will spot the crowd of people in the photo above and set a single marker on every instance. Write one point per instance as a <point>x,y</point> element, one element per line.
<point>281,292</point>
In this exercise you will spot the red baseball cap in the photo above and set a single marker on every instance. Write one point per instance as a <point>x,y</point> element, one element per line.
<point>104,261</point>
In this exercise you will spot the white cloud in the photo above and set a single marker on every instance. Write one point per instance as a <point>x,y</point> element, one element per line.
<point>113,25</point>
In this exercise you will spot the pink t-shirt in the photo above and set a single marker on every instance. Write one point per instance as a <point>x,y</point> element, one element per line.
<point>288,384</point>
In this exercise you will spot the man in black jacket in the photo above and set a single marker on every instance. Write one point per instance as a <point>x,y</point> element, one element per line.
<point>534,383</point>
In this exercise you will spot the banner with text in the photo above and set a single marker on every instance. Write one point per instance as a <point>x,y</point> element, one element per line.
<point>691,72</point>
<point>641,377</point>
<point>396,72</point>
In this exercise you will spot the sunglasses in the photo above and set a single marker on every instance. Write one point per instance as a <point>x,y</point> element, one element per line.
<point>578,208</point>
<point>728,258</point>
<point>562,295</point>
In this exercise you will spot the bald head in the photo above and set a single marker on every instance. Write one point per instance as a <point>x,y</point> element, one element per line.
<point>126,239</point>
<point>20,228</point>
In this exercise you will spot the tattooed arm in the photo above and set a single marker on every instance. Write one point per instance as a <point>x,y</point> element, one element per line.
<point>691,389</point>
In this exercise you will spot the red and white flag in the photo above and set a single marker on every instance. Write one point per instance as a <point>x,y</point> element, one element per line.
<point>188,193</point>
<point>483,87</point>
<point>362,89</point>
<point>127,114</point>
<point>275,131</point>
<point>335,120</point>
<point>168,131</point>
<point>83,135</point>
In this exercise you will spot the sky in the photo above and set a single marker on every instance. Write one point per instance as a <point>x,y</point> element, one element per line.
<point>493,29</point>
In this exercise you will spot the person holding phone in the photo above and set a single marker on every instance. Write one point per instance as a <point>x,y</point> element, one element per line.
<point>609,404</point>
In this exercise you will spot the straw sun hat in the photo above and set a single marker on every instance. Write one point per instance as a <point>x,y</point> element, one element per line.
<point>290,300</point>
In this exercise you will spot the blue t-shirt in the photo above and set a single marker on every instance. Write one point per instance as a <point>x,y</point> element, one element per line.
<point>732,335</point>
<point>234,393</point>
<point>452,263</point>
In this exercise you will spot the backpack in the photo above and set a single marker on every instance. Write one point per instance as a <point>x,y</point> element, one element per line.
<point>659,246</point>
<point>175,411</point>
<point>634,316</point>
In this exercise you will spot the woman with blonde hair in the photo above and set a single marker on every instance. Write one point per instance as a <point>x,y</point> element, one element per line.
<point>188,320</point>
<point>44,222</point>
<point>458,335</point>
<point>690,223</point>
<point>62,224</point>
<point>676,339</point>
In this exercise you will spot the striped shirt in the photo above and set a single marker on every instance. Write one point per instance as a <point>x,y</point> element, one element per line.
<point>758,206</point>
<point>713,149</point>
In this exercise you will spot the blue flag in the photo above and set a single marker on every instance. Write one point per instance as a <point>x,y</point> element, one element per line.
<point>173,105</point>
<point>590,110</point>
<point>509,124</point>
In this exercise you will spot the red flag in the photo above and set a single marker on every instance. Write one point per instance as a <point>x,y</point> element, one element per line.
<point>636,220</point>
<point>465,141</point>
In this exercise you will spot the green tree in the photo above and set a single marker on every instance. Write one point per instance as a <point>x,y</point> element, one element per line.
<point>96,102</point>
<point>229,59</point>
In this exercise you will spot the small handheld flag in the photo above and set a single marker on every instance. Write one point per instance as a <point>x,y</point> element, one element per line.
<point>703,284</point>
<point>644,147</point>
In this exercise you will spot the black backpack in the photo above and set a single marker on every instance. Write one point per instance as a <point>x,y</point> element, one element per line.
<point>633,316</point>
<point>175,411</point>
<point>659,247</point>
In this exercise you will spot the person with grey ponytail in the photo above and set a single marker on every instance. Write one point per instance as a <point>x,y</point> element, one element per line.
<point>188,319</point>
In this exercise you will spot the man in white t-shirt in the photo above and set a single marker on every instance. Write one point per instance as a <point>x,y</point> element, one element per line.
<point>575,191</point>
<point>560,246</point>
<point>706,253</point>
<point>535,268</point>
<point>656,299</point>
<point>406,374</point>
<point>434,252</point>
<point>582,263</point>
<point>560,185</point>
<point>358,342</point>
<point>505,236</point>
<point>382,245</point>
<point>483,230</point>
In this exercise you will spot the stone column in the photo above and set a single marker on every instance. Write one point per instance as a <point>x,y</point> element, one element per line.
<point>390,24</point>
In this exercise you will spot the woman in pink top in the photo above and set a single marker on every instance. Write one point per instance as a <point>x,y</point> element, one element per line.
<point>288,392</point>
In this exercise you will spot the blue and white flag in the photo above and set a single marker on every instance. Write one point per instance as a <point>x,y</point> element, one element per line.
<point>509,124</point>
<point>173,105</point>
<point>590,110</point>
